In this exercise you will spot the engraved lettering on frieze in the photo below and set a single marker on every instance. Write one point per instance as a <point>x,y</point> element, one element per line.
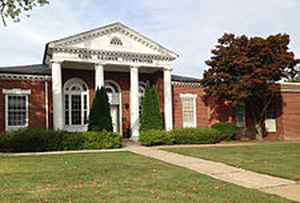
<point>85,56</point>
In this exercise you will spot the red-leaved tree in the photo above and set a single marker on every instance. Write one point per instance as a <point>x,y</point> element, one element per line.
<point>244,71</point>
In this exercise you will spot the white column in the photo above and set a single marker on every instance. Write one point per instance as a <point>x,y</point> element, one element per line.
<point>168,100</point>
<point>58,121</point>
<point>134,102</point>
<point>99,76</point>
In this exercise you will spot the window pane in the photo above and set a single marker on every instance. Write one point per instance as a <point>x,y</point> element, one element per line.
<point>270,114</point>
<point>188,112</point>
<point>85,117</point>
<point>240,116</point>
<point>16,110</point>
<point>76,110</point>
<point>85,102</point>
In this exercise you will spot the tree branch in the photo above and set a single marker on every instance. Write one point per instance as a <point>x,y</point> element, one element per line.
<point>2,14</point>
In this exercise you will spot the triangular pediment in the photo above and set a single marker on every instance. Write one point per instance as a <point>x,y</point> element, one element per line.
<point>114,37</point>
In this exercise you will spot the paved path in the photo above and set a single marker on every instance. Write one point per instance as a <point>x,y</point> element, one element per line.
<point>269,184</point>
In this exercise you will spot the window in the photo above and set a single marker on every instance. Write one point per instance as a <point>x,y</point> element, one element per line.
<point>240,116</point>
<point>189,116</point>
<point>116,41</point>
<point>16,108</point>
<point>270,113</point>
<point>113,92</point>
<point>270,121</point>
<point>76,102</point>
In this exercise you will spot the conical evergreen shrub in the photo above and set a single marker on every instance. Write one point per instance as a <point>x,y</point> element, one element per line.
<point>156,114</point>
<point>151,116</point>
<point>99,117</point>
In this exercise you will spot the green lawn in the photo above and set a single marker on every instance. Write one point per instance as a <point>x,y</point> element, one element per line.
<point>282,160</point>
<point>112,177</point>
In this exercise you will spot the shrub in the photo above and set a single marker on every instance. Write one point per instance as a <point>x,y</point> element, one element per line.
<point>156,137</point>
<point>39,140</point>
<point>228,131</point>
<point>99,117</point>
<point>103,140</point>
<point>151,115</point>
<point>201,135</point>
<point>30,140</point>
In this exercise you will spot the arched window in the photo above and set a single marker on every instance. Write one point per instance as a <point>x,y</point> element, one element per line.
<point>111,87</point>
<point>76,102</point>
<point>142,87</point>
<point>116,41</point>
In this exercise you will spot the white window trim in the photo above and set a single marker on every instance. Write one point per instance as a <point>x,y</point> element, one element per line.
<point>194,97</point>
<point>70,127</point>
<point>15,92</point>
<point>270,125</point>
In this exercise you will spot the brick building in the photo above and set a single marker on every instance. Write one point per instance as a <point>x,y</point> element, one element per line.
<point>59,92</point>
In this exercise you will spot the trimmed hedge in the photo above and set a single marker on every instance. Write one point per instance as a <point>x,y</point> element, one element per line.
<point>201,135</point>
<point>103,140</point>
<point>156,137</point>
<point>228,131</point>
<point>41,140</point>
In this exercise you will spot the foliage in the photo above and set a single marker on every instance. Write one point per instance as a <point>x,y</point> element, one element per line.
<point>151,116</point>
<point>12,9</point>
<point>156,137</point>
<point>99,117</point>
<point>228,130</point>
<point>245,70</point>
<point>200,135</point>
<point>39,140</point>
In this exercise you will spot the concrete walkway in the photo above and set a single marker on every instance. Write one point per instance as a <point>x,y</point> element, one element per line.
<point>269,184</point>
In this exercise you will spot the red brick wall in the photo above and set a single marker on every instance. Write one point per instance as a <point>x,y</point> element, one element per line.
<point>289,120</point>
<point>36,107</point>
<point>208,111</point>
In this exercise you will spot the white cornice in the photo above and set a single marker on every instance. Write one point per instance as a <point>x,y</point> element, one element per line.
<point>289,90</point>
<point>185,84</point>
<point>290,83</point>
<point>24,77</point>
<point>105,53</point>
<point>117,27</point>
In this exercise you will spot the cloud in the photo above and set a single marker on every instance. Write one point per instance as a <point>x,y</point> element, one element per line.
<point>190,28</point>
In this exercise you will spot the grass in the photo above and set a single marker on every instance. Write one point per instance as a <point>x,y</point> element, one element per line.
<point>282,160</point>
<point>113,177</point>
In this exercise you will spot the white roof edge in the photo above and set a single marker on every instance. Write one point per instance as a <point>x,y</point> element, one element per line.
<point>289,83</point>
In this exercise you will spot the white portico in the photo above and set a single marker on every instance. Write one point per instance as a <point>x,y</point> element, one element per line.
<point>114,48</point>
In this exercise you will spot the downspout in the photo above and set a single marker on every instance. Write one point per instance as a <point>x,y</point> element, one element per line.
<point>47,104</point>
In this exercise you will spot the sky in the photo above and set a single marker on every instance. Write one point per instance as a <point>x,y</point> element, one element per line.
<point>188,27</point>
